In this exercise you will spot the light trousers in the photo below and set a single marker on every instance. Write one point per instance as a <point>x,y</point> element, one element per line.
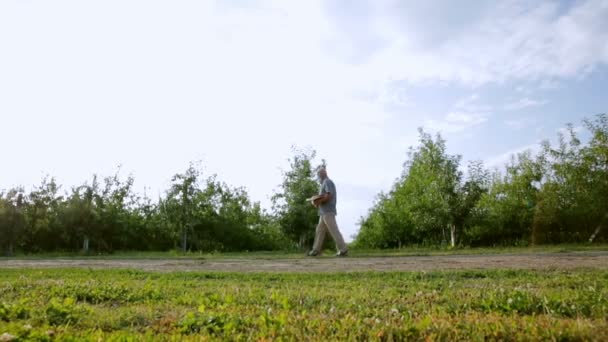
<point>327,223</point>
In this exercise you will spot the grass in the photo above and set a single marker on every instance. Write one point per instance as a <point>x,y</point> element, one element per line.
<point>406,251</point>
<point>123,305</point>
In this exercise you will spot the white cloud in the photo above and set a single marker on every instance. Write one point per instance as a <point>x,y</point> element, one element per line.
<point>393,96</point>
<point>494,42</point>
<point>466,113</point>
<point>548,84</point>
<point>472,104</point>
<point>456,122</point>
<point>523,103</point>
<point>520,123</point>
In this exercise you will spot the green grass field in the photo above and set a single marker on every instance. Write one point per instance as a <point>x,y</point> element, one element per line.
<point>80,304</point>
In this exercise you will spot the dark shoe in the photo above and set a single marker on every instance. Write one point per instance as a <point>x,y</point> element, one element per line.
<point>312,253</point>
<point>342,254</point>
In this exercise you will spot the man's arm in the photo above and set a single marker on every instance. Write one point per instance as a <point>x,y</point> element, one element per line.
<point>317,200</point>
<point>324,197</point>
<point>326,192</point>
<point>329,190</point>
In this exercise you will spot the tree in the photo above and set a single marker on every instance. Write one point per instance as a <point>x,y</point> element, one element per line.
<point>221,215</point>
<point>42,217</point>
<point>80,215</point>
<point>12,219</point>
<point>210,215</point>
<point>595,156</point>
<point>468,195</point>
<point>508,207</point>
<point>574,193</point>
<point>266,232</point>
<point>295,215</point>
<point>149,228</point>
<point>385,226</point>
<point>179,203</point>
<point>113,204</point>
<point>421,206</point>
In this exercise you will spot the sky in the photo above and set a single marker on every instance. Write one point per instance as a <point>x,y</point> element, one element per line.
<point>150,85</point>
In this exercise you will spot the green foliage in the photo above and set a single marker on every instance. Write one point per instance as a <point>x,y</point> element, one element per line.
<point>12,219</point>
<point>556,196</point>
<point>572,201</point>
<point>61,312</point>
<point>196,214</point>
<point>459,305</point>
<point>296,217</point>
<point>465,212</point>
<point>423,201</point>
<point>506,211</point>
<point>211,216</point>
<point>12,312</point>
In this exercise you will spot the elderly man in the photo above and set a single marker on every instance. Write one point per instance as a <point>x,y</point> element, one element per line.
<point>326,203</point>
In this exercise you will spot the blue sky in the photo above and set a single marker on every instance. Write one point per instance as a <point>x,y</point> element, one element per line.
<point>152,85</point>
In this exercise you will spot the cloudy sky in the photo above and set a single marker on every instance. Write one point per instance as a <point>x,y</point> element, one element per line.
<point>152,85</point>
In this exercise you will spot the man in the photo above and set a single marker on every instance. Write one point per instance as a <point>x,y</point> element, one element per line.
<point>326,203</point>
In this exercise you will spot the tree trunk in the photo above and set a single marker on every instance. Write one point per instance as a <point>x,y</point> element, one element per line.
<point>598,229</point>
<point>184,240</point>
<point>453,235</point>
<point>9,249</point>
<point>85,244</point>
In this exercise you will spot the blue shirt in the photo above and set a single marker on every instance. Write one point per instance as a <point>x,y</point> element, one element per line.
<point>328,207</point>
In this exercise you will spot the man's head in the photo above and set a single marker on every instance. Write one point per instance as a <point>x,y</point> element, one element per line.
<point>322,173</point>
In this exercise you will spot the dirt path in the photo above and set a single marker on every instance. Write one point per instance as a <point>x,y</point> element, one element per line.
<point>594,260</point>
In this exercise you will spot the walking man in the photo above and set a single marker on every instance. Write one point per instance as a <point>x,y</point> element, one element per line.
<point>326,203</point>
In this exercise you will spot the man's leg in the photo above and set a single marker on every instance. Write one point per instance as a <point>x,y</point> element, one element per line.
<point>332,227</point>
<point>319,236</point>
